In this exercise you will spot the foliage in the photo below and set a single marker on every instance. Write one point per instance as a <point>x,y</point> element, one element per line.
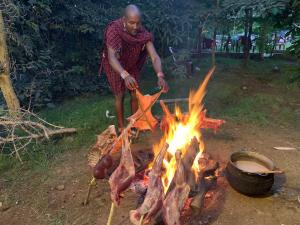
<point>290,18</point>
<point>54,44</point>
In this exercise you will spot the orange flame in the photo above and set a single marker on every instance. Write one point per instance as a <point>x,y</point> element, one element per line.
<point>181,130</point>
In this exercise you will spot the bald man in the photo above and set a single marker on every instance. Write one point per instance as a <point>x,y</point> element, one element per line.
<point>126,46</point>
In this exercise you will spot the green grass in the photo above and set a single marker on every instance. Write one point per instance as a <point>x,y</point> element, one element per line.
<point>225,99</point>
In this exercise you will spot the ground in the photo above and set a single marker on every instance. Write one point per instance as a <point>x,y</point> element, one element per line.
<point>261,110</point>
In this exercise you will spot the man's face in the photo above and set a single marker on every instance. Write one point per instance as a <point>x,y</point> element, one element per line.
<point>132,23</point>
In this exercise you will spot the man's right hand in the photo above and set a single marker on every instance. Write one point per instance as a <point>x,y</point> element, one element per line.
<point>131,83</point>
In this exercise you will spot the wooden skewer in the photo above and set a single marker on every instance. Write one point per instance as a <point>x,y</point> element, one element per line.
<point>111,213</point>
<point>92,183</point>
<point>141,220</point>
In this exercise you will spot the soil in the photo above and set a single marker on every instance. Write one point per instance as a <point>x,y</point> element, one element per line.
<point>57,198</point>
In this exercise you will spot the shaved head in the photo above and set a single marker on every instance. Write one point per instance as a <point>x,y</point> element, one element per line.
<point>132,19</point>
<point>132,10</point>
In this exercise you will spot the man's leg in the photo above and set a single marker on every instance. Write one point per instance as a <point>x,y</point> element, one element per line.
<point>133,102</point>
<point>119,107</point>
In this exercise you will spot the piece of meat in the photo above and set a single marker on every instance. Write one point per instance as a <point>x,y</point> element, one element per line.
<point>176,198</point>
<point>155,192</point>
<point>122,177</point>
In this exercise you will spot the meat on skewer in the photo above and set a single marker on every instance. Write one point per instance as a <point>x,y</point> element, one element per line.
<point>122,177</point>
<point>176,198</point>
<point>155,192</point>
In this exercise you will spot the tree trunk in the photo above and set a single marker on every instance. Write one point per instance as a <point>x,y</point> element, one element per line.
<point>247,36</point>
<point>222,41</point>
<point>7,89</point>
<point>213,48</point>
<point>200,40</point>
<point>262,39</point>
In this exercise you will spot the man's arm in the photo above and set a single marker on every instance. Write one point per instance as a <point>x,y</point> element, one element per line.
<point>156,62</point>
<point>130,82</point>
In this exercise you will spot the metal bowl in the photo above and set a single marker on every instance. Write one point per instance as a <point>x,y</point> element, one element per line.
<point>246,181</point>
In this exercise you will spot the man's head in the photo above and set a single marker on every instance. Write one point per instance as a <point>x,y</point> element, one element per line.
<point>132,19</point>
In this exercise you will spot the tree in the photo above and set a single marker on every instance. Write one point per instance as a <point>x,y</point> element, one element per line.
<point>7,89</point>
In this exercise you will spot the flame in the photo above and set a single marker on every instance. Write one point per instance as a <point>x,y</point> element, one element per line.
<point>181,130</point>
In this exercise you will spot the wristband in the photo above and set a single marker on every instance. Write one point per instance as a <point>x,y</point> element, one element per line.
<point>124,74</point>
<point>160,74</point>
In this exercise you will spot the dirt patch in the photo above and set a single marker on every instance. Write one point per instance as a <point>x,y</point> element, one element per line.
<point>35,199</point>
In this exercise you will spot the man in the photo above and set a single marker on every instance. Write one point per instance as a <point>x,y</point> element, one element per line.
<point>126,45</point>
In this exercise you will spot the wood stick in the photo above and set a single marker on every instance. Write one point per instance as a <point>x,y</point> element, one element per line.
<point>92,183</point>
<point>174,100</point>
<point>35,136</point>
<point>111,213</point>
<point>141,220</point>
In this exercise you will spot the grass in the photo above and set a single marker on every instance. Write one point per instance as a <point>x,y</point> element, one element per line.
<point>225,99</point>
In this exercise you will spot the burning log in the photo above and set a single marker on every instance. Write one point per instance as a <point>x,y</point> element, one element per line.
<point>155,192</point>
<point>206,179</point>
<point>176,198</point>
<point>188,160</point>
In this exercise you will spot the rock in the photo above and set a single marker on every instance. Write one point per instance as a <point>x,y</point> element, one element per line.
<point>4,207</point>
<point>276,69</point>
<point>244,88</point>
<point>60,187</point>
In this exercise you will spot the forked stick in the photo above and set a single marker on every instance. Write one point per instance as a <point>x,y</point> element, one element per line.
<point>111,213</point>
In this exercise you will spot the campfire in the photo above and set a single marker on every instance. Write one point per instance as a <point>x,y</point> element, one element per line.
<point>181,172</point>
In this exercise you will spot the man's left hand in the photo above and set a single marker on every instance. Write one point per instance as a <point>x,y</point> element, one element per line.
<point>163,84</point>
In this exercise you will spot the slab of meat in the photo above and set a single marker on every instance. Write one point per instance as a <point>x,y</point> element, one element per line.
<point>155,192</point>
<point>122,177</point>
<point>176,198</point>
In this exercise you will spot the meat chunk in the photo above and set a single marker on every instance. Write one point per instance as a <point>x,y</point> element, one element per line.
<point>122,177</point>
<point>176,198</point>
<point>155,192</point>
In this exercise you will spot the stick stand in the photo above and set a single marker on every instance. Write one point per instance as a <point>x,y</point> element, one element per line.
<point>92,183</point>
<point>141,220</point>
<point>111,213</point>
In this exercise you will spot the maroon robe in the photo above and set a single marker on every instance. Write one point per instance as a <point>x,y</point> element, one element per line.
<point>131,52</point>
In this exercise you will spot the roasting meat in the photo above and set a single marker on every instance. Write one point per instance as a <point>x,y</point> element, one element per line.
<point>176,198</point>
<point>122,177</point>
<point>155,192</point>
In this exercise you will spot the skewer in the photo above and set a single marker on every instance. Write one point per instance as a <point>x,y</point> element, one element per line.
<point>111,213</point>
<point>141,220</point>
<point>92,183</point>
